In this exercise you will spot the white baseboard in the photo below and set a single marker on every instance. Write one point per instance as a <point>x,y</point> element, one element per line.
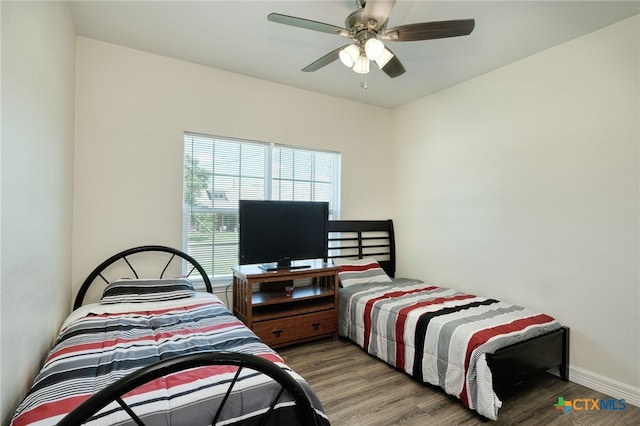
<point>613,388</point>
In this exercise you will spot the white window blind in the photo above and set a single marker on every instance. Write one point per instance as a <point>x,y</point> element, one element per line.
<point>218,172</point>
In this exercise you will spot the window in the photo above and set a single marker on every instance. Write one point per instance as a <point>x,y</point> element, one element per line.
<point>220,171</point>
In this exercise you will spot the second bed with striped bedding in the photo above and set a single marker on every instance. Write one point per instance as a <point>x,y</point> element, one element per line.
<point>438,335</point>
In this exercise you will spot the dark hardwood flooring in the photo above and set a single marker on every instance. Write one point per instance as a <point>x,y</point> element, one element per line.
<point>358,389</point>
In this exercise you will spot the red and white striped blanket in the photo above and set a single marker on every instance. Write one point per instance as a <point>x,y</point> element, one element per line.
<point>99,344</point>
<point>438,335</point>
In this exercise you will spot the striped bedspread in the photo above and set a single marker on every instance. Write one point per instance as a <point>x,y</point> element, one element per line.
<point>438,335</point>
<point>99,344</point>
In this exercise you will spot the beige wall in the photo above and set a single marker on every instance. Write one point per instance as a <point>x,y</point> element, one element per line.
<point>131,111</point>
<point>523,184</point>
<point>38,49</point>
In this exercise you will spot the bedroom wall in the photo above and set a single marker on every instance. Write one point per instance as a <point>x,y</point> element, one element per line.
<point>523,184</point>
<point>38,64</point>
<point>132,108</point>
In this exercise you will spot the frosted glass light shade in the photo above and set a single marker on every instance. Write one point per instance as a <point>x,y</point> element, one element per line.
<point>362,65</point>
<point>349,55</point>
<point>373,48</point>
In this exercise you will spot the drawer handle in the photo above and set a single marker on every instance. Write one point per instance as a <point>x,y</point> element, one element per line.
<point>277,332</point>
<point>316,325</point>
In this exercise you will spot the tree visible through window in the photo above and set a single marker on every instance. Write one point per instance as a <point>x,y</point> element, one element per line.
<point>218,172</point>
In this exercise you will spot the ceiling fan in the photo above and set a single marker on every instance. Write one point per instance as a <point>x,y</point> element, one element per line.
<point>367,27</point>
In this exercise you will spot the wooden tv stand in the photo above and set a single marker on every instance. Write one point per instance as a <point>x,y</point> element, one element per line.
<point>311,312</point>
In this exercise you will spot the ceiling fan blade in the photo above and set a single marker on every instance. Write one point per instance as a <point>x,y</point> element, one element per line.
<point>393,68</point>
<point>306,24</point>
<point>325,60</point>
<point>430,30</point>
<point>378,10</point>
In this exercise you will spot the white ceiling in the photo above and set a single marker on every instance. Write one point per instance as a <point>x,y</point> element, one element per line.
<point>236,36</point>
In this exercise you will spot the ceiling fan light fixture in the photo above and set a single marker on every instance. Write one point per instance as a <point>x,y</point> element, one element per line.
<point>367,29</point>
<point>349,55</point>
<point>373,48</point>
<point>384,57</point>
<point>362,65</point>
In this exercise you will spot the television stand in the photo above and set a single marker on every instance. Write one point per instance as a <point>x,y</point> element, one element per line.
<point>310,312</point>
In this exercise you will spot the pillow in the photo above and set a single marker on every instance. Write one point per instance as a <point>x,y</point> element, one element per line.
<point>360,271</point>
<point>146,290</point>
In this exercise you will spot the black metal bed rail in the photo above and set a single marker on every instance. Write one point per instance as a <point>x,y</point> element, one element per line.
<point>116,390</point>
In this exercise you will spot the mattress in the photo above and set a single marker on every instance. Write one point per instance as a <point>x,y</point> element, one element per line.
<point>100,343</point>
<point>438,335</point>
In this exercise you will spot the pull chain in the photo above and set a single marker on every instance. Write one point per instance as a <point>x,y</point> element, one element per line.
<point>363,81</point>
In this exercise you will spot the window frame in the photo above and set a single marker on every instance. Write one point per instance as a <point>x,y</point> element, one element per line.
<point>268,180</point>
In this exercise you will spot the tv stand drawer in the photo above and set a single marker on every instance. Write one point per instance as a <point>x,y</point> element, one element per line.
<point>297,328</point>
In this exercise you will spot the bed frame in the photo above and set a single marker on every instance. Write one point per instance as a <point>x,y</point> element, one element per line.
<point>116,390</point>
<point>127,257</point>
<point>511,365</point>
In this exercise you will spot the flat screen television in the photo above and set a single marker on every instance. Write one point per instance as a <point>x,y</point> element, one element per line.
<point>274,233</point>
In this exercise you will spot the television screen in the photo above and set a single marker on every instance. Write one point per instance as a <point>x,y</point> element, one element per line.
<point>282,231</point>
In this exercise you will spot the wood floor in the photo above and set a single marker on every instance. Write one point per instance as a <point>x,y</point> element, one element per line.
<point>357,389</point>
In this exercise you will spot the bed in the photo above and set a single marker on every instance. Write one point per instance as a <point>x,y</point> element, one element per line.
<point>160,351</point>
<point>474,348</point>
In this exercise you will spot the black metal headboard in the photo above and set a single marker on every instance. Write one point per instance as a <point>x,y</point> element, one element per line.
<point>162,265</point>
<point>356,239</point>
